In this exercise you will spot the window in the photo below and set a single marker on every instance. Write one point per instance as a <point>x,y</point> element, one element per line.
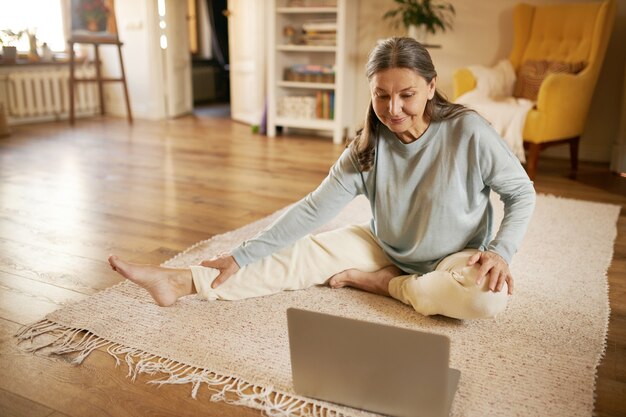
<point>43,17</point>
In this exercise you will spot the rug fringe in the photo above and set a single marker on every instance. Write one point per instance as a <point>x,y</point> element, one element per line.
<point>55,339</point>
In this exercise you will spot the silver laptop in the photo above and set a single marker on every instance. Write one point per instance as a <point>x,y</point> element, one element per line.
<point>371,366</point>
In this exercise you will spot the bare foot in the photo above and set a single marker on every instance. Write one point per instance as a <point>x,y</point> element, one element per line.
<point>376,282</point>
<point>165,285</point>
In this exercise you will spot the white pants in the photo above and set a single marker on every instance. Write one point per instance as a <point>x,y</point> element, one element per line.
<point>450,290</point>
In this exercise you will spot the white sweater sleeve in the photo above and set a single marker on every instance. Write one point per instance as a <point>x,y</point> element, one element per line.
<point>342,184</point>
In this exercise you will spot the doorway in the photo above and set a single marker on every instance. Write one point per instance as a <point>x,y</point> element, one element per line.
<point>210,69</point>
<point>227,43</point>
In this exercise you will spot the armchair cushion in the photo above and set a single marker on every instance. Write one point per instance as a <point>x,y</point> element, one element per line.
<point>532,73</point>
<point>492,98</point>
<point>497,81</point>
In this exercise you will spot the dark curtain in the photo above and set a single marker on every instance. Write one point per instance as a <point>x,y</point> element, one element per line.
<point>219,31</point>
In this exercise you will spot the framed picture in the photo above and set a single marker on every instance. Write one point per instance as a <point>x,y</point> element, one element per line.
<point>93,21</point>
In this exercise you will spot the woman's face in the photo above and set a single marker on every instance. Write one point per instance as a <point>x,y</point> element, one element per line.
<point>399,97</point>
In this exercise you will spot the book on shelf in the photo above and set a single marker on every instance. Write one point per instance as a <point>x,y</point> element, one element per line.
<point>310,73</point>
<point>324,101</point>
<point>317,41</point>
<point>311,3</point>
<point>320,26</point>
<point>320,32</point>
<point>312,32</point>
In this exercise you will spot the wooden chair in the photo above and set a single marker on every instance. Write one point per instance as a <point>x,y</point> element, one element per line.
<point>96,42</point>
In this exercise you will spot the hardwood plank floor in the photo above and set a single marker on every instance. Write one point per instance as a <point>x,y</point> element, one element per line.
<point>70,196</point>
<point>14,405</point>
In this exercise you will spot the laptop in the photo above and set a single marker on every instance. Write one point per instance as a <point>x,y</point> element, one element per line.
<point>374,367</point>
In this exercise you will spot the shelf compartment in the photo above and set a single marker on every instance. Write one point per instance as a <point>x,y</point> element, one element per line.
<point>300,84</point>
<point>304,10</point>
<point>306,48</point>
<point>323,124</point>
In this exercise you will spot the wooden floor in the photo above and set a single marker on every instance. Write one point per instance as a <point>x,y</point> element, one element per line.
<point>71,196</point>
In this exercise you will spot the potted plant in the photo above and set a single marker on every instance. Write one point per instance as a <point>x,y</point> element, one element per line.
<point>8,39</point>
<point>421,17</point>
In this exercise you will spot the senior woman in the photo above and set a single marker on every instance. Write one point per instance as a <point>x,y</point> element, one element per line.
<point>427,167</point>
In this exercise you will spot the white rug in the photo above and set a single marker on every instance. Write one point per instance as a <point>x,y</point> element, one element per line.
<point>537,358</point>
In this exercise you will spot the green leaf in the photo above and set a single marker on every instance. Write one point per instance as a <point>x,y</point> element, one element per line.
<point>431,14</point>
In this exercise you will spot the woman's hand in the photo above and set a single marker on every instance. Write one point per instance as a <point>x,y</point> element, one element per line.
<point>493,267</point>
<point>227,266</point>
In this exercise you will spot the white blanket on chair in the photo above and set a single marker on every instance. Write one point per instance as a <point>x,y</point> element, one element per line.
<point>493,99</point>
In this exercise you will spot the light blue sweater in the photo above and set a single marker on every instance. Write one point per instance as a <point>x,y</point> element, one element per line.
<point>429,198</point>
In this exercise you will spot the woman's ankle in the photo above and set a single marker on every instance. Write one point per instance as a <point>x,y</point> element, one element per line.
<point>182,280</point>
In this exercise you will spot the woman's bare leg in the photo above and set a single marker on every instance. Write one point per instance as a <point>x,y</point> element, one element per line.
<point>165,285</point>
<point>376,282</point>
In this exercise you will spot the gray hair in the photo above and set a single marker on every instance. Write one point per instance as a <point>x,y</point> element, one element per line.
<point>400,53</point>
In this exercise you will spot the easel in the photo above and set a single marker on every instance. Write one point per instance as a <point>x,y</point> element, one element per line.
<point>96,42</point>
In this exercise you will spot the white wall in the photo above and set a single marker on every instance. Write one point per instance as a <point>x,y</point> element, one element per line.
<point>483,34</point>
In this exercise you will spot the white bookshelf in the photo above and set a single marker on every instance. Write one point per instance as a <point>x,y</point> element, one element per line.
<point>282,54</point>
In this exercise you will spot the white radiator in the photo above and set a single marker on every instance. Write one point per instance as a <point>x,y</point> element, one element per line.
<point>38,94</point>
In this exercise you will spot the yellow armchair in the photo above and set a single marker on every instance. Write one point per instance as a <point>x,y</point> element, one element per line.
<point>572,32</point>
